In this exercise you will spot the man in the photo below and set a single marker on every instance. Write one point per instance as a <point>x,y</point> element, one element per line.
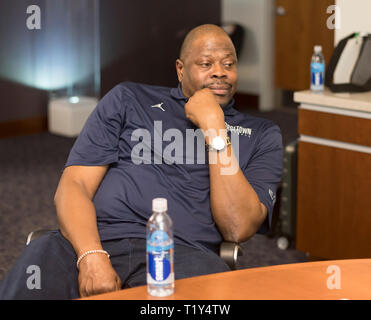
<point>103,199</point>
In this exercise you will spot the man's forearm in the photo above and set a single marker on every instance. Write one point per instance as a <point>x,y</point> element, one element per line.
<point>77,217</point>
<point>78,223</point>
<point>236,207</point>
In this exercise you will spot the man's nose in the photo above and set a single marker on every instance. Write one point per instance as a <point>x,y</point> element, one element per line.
<point>218,71</point>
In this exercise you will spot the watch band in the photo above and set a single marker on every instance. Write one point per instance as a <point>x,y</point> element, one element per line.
<point>209,147</point>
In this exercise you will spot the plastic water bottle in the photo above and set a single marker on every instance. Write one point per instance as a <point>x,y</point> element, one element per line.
<point>160,251</point>
<point>317,70</point>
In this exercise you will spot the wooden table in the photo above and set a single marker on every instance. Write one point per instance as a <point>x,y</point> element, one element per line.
<point>299,281</point>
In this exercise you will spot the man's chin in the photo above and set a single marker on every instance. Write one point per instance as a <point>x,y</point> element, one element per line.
<point>223,100</point>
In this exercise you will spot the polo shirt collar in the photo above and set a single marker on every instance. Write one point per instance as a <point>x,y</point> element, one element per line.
<point>177,93</point>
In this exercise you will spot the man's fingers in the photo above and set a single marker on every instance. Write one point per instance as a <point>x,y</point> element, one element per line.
<point>106,287</point>
<point>85,288</point>
<point>91,288</point>
<point>118,283</point>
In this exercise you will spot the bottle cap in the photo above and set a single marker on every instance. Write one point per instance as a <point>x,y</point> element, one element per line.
<point>317,49</point>
<point>159,204</point>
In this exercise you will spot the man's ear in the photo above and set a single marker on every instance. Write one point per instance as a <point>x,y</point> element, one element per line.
<point>179,69</point>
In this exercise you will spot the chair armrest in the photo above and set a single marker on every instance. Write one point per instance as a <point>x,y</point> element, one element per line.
<point>229,252</point>
<point>35,234</point>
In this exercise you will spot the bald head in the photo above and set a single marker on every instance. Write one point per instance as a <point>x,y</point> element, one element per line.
<point>199,33</point>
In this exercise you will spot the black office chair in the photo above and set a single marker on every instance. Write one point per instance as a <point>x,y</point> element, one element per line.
<point>237,34</point>
<point>229,251</point>
<point>35,234</point>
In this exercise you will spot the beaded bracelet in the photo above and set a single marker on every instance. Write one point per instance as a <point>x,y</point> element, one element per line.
<point>90,252</point>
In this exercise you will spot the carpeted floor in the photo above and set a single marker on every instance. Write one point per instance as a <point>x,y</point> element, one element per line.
<point>30,168</point>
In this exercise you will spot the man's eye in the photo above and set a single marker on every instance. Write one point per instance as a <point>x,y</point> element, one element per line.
<point>205,64</point>
<point>229,65</point>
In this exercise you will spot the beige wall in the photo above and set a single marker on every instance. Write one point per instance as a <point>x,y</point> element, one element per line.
<point>256,64</point>
<point>355,16</point>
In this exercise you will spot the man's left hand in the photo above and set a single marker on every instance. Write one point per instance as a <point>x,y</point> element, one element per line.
<point>204,111</point>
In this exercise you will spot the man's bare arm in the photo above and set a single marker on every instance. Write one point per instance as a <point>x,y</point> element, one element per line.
<point>235,205</point>
<point>77,221</point>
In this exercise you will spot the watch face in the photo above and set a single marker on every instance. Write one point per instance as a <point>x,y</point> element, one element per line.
<point>218,143</point>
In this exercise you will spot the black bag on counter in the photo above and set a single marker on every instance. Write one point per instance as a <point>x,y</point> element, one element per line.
<point>349,69</point>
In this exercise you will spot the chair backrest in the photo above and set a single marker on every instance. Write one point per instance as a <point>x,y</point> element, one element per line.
<point>237,34</point>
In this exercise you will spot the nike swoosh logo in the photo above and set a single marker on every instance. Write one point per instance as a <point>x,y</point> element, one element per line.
<point>159,106</point>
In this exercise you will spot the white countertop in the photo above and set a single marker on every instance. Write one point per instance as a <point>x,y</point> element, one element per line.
<point>347,101</point>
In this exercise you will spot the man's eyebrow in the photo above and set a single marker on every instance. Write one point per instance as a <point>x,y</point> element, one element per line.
<point>205,55</point>
<point>230,54</point>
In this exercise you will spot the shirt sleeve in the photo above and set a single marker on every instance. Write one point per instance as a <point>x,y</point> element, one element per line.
<point>264,170</point>
<point>97,144</point>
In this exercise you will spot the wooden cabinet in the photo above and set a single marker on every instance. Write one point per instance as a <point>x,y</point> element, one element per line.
<point>334,175</point>
<point>299,26</point>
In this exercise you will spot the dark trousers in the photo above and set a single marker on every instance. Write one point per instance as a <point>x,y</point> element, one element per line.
<point>47,268</point>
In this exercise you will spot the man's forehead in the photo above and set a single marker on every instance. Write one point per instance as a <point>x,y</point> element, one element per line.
<point>207,45</point>
<point>211,53</point>
<point>212,41</point>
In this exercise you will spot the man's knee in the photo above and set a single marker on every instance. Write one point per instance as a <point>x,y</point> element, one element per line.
<point>44,270</point>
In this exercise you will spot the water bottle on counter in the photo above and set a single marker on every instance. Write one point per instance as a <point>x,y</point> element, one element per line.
<point>317,70</point>
<point>160,251</point>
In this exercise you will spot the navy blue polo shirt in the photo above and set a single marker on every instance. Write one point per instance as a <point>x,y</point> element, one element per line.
<point>140,131</point>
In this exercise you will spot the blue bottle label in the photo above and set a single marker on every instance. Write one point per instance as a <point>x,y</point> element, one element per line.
<point>317,67</point>
<point>156,240</point>
<point>159,266</point>
<point>159,255</point>
<point>317,73</point>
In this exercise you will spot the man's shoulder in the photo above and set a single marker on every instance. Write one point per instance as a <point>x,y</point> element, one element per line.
<point>134,89</point>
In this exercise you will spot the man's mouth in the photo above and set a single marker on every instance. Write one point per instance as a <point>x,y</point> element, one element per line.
<point>220,89</point>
